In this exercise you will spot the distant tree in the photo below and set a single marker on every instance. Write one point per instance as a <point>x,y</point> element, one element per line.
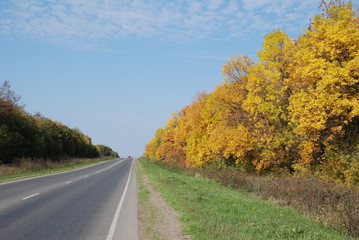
<point>8,99</point>
<point>106,151</point>
<point>35,136</point>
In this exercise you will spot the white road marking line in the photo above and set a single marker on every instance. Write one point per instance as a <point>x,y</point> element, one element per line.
<point>33,195</point>
<point>68,182</point>
<point>111,233</point>
<point>86,176</point>
<point>105,169</point>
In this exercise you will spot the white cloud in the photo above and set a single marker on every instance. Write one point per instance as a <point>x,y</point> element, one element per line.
<point>90,21</point>
<point>200,57</point>
<point>253,4</point>
<point>214,4</point>
<point>231,8</point>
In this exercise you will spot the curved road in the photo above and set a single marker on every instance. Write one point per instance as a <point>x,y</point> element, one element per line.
<point>93,203</point>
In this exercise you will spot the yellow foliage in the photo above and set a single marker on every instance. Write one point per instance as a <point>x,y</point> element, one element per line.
<point>324,79</point>
<point>296,109</point>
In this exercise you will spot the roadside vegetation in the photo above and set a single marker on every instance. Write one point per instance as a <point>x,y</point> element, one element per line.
<point>331,204</point>
<point>212,211</point>
<point>294,111</point>
<point>34,142</point>
<point>286,127</point>
<point>157,220</point>
<point>105,151</point>
<point>24,168</point>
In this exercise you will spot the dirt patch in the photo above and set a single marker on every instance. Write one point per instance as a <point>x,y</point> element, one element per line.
<point>157,220</point>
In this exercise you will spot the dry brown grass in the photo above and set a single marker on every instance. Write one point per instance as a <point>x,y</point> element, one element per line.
<point>25,165</point>
<point>332,204</point>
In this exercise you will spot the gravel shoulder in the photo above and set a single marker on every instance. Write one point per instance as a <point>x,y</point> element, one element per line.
<point>157,220</point>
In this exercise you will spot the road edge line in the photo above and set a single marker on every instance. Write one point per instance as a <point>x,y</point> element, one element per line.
<point>111,232</point>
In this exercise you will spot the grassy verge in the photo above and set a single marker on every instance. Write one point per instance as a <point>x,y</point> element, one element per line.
<point>332,204</point>
<point>211,211</point>
<point>147,212</point>
<point>28,168</point>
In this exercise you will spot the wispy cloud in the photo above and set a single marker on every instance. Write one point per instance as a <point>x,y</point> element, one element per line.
<point>199,57</point>
<point>86,22</point>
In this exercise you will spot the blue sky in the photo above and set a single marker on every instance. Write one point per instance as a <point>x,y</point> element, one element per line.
<point>117,69</point>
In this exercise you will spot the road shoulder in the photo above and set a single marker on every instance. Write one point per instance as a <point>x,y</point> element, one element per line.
<point>129,229</point>
<point>157,220</point>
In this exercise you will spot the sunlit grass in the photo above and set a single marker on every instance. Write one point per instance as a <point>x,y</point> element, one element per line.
<point>211,211</point>
<point>148,215</point>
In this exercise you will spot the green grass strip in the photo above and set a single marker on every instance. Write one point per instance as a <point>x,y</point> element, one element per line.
<point>12,177</point>
<point>211,211</point>
<point>148,215</point>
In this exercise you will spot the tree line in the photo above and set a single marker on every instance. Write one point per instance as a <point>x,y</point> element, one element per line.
<point>295,110</point>
<point>35,136</point>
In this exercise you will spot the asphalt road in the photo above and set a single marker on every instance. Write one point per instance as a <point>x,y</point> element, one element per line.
<point>93,203</point>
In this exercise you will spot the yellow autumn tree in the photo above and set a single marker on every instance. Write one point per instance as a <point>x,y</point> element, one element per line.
<point>296,109</point>
<point>172,146</point>
<point>267,103</point>
<point>153,145</point>
<point>228,139</point>
<point>183,140</point>
<point>324,81</point>
<point>196,140</point>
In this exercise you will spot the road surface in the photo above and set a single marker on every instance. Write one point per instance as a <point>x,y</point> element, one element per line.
<point>93,203</point>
